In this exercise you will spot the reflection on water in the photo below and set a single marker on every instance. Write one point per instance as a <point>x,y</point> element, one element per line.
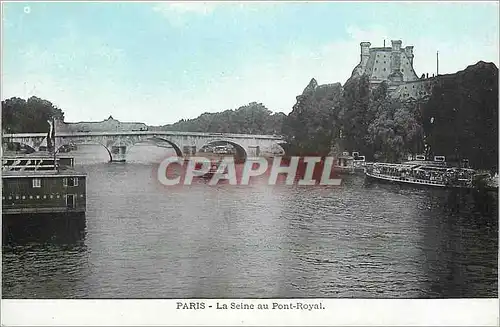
<point>143,240</point>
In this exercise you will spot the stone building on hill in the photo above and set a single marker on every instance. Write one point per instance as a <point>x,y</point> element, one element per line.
<point>395,66</point>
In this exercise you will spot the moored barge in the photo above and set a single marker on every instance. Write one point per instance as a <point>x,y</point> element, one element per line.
<point>42,184</point>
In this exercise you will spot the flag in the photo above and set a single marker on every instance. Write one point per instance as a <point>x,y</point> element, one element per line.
<point>51,135</point>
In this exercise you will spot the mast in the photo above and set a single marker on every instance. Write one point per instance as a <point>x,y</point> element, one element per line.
<point>437,63</point>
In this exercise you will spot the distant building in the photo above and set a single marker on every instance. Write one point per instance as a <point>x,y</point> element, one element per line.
<point>395,66</point>
<point>107,125</point>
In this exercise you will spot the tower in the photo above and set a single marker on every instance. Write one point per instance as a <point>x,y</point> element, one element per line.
<point>409,53</point>
<point>396,76</point>
<point>365,53</point>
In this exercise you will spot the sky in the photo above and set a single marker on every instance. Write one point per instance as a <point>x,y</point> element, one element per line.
<point>159,62</point>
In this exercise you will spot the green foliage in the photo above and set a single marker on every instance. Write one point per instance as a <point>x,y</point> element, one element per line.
<point>464,108</point>
<point>309,127</point>
<point>28,116</point>
<point>253,118</point>
<point>354,114</point>
<point>395,131</point>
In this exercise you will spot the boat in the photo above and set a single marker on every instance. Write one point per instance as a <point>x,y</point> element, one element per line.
<point>486,181</point>
<point>422,172</point>
<point>349,163</point>
<point>42,184</point>
<point>359,162</point>
<point>214,166</point>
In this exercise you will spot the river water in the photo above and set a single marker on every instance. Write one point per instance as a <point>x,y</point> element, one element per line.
<point>142,240</point>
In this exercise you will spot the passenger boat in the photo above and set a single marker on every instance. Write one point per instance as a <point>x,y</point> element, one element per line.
<point>349,163</point>
<point>421,172</point>
<point>42,184</point>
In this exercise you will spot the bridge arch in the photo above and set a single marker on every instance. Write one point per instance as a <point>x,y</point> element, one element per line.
<point>89,143</point>
<point>176,148</point>
<point>240,150</point>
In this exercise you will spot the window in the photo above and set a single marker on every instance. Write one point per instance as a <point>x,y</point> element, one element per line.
<point>37,182</point>
<point>70,201</point>
<point>69,182</point>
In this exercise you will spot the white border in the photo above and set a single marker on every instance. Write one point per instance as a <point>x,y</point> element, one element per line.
<point>459,312</point>
<point>354,312</point>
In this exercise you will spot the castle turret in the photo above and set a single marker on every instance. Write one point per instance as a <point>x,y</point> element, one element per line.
<point>365,52</point>
<point>409,53</point>
<point>396,76</point>
<point>396,45</point>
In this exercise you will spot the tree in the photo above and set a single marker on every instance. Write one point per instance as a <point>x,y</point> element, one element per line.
<point>309,127</point>
<point>461,116</point>
<point>353,116</point>
<point>31,116</point>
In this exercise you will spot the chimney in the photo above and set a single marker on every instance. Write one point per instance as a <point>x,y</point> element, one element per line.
<point>365,52</point>
<point>396,45</point>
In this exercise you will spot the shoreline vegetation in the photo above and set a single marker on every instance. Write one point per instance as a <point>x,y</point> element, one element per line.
<point>458,120</point>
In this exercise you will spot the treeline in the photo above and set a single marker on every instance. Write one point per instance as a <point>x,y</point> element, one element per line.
<point>28,116</point>
<point>459,120</point>
<point>253,118</point>
<point>329,118</point>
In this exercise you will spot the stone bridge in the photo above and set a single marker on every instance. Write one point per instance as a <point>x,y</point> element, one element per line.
<point>117,143</point>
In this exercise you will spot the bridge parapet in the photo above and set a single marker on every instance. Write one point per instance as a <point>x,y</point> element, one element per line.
<point>117,143</point>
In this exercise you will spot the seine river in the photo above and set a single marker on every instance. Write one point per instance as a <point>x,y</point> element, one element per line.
<point>142,240</point>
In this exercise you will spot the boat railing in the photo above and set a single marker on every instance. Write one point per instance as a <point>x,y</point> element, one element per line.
<point>35,163</point>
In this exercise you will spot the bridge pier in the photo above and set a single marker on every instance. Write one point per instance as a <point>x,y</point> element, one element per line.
<point>118,153</point>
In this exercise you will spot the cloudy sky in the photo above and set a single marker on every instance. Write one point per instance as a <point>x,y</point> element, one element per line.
<point>161,62</point>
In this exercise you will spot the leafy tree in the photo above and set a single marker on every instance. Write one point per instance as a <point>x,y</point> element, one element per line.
<point>461,116</point>
<point>28,116</point>
<point>354,114</point>
<point>309,127</point>
<point>395,131</point>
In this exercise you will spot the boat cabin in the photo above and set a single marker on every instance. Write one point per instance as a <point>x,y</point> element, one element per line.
<point>42,184</point>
